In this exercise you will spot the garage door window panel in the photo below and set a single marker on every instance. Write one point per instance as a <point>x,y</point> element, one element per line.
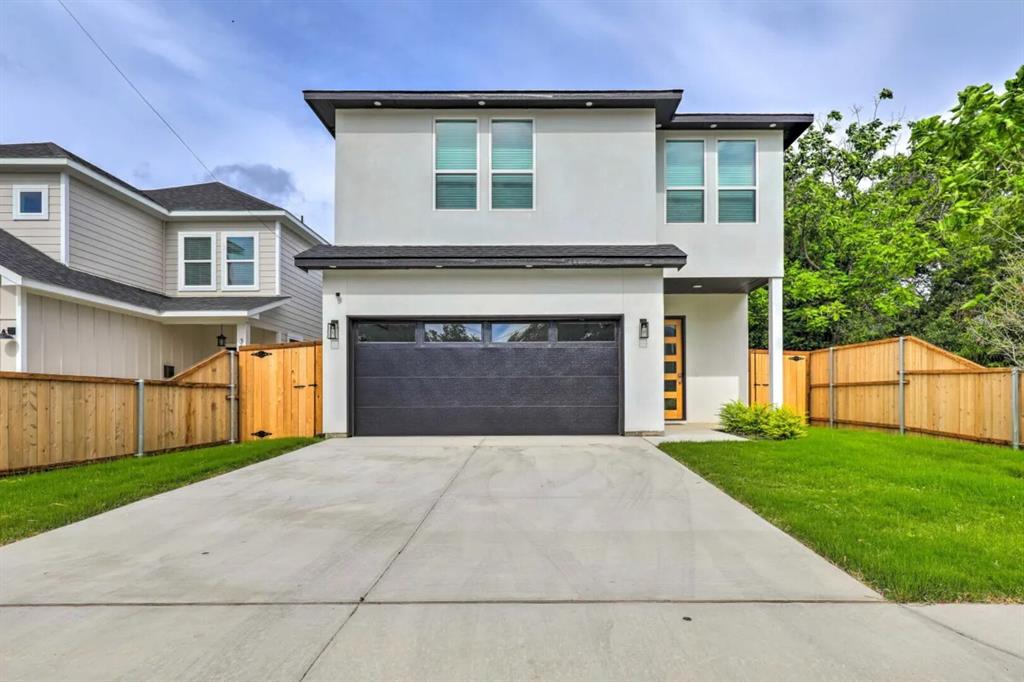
<point>453,332</point>
<point>386,332</point>
<point>586,331</point>
<point>520,332</point>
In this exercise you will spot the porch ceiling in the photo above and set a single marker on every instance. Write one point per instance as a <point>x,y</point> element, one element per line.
<point>713,285</point>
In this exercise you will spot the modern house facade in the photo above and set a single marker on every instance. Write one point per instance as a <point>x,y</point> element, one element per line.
<point>530,262</point>
<point>98,277</point>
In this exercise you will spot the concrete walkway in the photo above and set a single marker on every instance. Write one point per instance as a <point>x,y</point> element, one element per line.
<point>461,558</point>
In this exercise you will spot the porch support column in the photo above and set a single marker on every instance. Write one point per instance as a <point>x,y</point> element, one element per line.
<point>242,336</point>
<point>775,341</point>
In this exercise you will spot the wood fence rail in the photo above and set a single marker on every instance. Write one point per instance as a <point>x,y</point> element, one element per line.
<point>907,385</point>
<point>49,420</point>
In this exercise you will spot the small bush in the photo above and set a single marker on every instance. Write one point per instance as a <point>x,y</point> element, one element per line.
<point>761,421</point>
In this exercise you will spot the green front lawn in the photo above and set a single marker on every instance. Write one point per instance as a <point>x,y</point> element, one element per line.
<point>33,503</point>
<point>919,519</point>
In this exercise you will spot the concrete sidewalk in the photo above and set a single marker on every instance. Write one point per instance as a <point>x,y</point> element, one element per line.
<point>464,558</point>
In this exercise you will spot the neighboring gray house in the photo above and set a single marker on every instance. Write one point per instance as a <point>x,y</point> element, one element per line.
<point>98,277</point>
<point>545,261</point>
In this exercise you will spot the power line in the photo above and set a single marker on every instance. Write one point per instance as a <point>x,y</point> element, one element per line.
<point>137,91</point>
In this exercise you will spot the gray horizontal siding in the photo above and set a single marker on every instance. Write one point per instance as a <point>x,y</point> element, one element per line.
<point>301,315</point>
<point>110,238</point>
<point>41,234</point>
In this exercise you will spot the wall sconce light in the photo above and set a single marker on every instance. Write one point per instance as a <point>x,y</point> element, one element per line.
<point>221,339</point>
<point>645,330</point>
<point>332,330</point>
<point>8,333</point>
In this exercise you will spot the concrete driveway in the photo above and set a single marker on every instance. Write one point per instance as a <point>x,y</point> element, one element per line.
<point>460,558</point>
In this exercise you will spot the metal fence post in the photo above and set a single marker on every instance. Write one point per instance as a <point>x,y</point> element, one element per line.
<point>901,393</point>
<point>140,417</point>
<point>233,395</point>
<point>1015,406</point>
<point>831,386</point>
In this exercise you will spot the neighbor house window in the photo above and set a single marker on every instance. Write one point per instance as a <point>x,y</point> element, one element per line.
<point>240,265</point>
<point>684,181</point>
<point>196,266</point>
<point>512,165</point>
<point>31,202</point>
<point>455,164</point>
<point>737,181</point>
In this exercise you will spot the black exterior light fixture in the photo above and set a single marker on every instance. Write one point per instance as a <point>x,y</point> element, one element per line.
<point>645,330</point>
<point>7,333</point>
<point>221,339</point>
<point>332,330</point>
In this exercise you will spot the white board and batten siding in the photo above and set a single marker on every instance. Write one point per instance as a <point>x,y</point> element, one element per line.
<point>112,239</point>
<point>299,316</point>
<point>69,338</point>
<point>41,234</point>
<point>266,262</point>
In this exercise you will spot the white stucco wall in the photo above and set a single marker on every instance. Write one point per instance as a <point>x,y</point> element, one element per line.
<point>634,294</point>
<point>728,249</point>
<point>715,350</point>
<point>594,182</point>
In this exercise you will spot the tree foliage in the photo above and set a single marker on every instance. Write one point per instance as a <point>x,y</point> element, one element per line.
<point>883,240</point>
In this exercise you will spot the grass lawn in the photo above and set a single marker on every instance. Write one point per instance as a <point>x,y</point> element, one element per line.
<point>919,519</point>
<point>33,503</point>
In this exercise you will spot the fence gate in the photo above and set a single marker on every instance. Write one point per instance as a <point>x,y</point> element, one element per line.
<point>794,380</point>
<point>280,392</point>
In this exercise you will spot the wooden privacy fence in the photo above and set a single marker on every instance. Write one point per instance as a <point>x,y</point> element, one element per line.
<point>794,379</point>
<point>49,420</point>
<point>906,385</point>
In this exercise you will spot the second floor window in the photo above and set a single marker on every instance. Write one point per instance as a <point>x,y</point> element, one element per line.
<point>455,164</point>
<point>31,202</point>
<point>240,261</point>
<point>684,181</point>
<point>512,165</point>
<point>737,181</point>
<point>196,261</point>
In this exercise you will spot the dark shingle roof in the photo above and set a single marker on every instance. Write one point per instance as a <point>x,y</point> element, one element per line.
<point>324,102</point>
<point>326,256</point>
<point>19,257</point>
<point>206,196</point>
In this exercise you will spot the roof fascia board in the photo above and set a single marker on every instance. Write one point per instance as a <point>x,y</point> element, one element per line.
<point>76,296</point>
<point>10,276</point>
<point>288,217</point>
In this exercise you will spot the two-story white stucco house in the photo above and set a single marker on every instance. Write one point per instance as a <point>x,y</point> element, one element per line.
<point>98,277</point>
<point>558,262</point>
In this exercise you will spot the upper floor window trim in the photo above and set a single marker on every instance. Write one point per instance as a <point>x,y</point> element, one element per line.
<point>19,202</point>
<point>183,262</point>
<point>531,171</point>
<point>227,261</point>
<point>738,188</point>
<point>684,187</point>
<point>466,170</point>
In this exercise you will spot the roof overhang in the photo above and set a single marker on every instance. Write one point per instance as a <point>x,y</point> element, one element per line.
<point>713,285</point>
<point>324,102</point>
<point>106,303</point>
<point>141,201</point>
<point>547,256</point>
<point>791,125</point>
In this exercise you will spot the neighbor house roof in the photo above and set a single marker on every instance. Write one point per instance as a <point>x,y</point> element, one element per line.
<point>35,266</point>
<point>326,257</point>
<point>208,196</point>
<point>324,102</point>
<point>791,125</point>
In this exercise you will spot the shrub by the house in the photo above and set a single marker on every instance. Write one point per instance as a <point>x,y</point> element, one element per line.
<point>761,421</point>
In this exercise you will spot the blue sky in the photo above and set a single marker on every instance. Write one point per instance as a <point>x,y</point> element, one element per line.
<point>229,75</point>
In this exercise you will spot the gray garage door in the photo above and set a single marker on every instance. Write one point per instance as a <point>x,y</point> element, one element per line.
<point>486,377</point>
